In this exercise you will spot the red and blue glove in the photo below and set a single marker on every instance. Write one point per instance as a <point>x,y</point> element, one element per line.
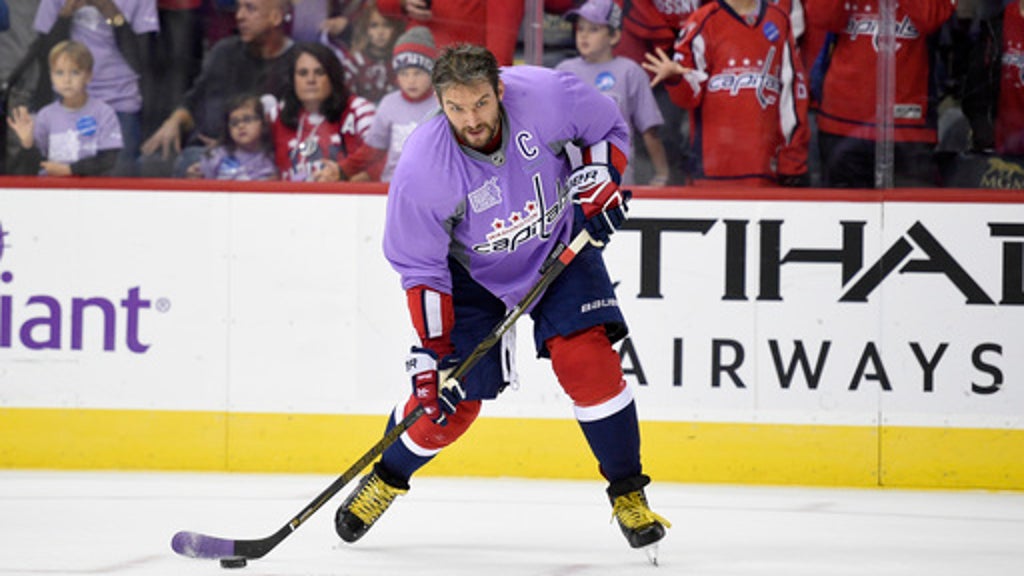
<point>438,394</point>
<point>595,189</point>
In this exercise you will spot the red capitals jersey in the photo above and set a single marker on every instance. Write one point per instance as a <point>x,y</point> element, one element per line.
<point>300,152</point>
<point>746,94</point>
<point>849,93</point>
<point>1010,109</point>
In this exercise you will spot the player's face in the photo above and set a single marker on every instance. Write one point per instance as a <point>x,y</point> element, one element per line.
<point>312,86</point>
<point>379,30</point>
<point>69,81</point>
<point>414,82</point>
<point>245,124</point>
<point>474,111</point>
<point>593,41</point>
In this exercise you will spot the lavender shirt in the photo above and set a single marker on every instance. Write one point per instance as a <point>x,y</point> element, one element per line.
<point>113,80</point>
<point>219,164</point>
<point>625,82</point>
<point>396,118</point>
<point>67,136</point>
<point>498,215</point>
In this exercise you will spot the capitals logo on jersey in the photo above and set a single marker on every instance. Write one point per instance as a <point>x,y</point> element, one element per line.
<point>749,75</point>
<point>676,6</point>
<point>868,25</point>
<point>1014,58</point>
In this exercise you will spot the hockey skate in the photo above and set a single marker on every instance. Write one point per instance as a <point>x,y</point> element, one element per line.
<point>641,526</point>
<point>366,504</point>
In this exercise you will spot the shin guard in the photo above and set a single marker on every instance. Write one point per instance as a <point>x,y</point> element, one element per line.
<point>589,370</point>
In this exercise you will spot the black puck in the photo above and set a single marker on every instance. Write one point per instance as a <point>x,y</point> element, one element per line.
<point>233,562</point>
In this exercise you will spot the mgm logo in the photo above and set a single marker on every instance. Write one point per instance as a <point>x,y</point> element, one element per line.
<point>1003,175</point>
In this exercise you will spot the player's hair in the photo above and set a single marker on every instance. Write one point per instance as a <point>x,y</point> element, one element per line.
<point>76,51</point>
<point>465,64</point>
<point>336,103</point>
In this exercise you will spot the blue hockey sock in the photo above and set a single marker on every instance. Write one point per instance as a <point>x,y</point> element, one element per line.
<point>615,442</point>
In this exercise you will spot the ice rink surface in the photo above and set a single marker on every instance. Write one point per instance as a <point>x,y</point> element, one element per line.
<point>55,523</point>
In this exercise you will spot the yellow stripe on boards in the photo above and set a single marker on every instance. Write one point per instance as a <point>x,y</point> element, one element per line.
<point>952,458</point>
<point>529,448</point>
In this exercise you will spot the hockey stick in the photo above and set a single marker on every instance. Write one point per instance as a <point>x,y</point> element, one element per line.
<point>196,545</point>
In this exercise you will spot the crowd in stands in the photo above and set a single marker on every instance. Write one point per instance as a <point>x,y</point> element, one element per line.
<point>717,92</point>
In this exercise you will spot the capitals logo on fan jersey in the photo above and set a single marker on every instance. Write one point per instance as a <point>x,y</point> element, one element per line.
<point>1014,58</point>
<point>868,25</point>
<point>755,76</point>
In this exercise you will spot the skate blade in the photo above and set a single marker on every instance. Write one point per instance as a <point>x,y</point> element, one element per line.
<point>651,551</point>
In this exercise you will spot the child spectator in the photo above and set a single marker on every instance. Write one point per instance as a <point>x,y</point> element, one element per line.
<point>244,153</point>
<point>402,110</point>
<point>737,70</point>
<point>367,60</point>
<point>76,135</point>
<point>319,122</point>
<point>598,26</point>
<point>118,34</point>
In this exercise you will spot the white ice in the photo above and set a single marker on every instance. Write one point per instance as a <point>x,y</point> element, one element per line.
<point>54,523</point>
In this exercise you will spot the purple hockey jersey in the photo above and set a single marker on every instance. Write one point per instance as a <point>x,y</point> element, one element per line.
<point>498,215</point>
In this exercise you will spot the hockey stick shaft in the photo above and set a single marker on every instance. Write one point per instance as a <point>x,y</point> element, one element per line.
<point>195,545</point>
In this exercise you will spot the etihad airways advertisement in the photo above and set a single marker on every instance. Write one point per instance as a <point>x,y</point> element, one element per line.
<point>907,313</point>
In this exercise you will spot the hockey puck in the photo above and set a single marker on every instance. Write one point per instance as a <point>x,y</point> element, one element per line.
<point>233,562</point>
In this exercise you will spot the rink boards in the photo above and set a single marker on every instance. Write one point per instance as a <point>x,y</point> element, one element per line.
<point>796,338</point>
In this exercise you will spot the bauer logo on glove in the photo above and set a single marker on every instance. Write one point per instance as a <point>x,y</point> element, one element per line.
<point>595,190</point>
<point>438,394</point>
<point>586,177</point>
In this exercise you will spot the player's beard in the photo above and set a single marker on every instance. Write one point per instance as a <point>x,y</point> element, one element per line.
<point>481,135</point>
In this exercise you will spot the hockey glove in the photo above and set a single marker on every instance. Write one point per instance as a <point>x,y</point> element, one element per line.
<point>595,189</point>
<point>430,384</point>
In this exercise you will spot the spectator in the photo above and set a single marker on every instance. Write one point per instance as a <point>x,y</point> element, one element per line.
<point>993,98</point>
<point>254,60</point>
<point>118,33</point>
<point>367,60</point>
<point>17,70</point>
<point>76,135</point>
<point>319,123</point>
<point>848,126</point>
<point>178,54</point>
<point>737,70</point>
<point>491,24</point>
<point>646,26</point>
<point>401,111</point>
<point>598,25</point>
<point>245,152</point>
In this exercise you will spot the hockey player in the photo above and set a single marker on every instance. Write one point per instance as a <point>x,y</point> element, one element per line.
<point>476,204</point>
<point>737,70</point>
